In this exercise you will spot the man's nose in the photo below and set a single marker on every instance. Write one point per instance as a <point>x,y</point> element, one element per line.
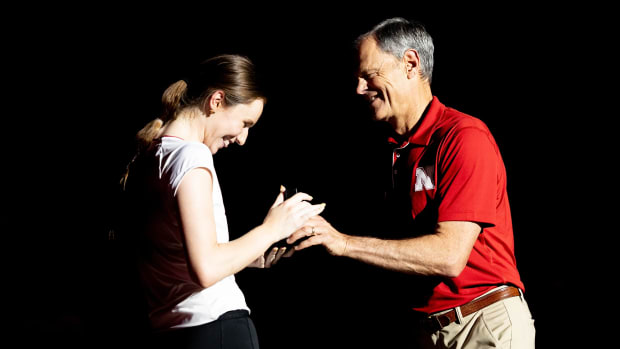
<point>362,86</point>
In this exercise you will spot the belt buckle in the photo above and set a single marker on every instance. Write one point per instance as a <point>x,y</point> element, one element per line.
<point>437,322</point>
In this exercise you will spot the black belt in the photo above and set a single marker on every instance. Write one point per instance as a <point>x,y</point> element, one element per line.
<point>435,323</point>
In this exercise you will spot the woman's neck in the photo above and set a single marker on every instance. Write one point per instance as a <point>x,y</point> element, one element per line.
<point>187,126</point>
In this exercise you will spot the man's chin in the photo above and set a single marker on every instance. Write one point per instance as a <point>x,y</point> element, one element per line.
<point>377,116</point>
<point>380,117</point>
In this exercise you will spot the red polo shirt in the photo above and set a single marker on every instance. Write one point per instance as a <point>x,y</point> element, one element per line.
<point>459,174</point>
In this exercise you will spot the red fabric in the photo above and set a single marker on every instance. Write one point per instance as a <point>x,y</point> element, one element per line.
<point>459,172</point>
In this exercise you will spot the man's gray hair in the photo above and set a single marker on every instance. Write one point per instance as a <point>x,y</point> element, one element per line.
<point>397,35</point>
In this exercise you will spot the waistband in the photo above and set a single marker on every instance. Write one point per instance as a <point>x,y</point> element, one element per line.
<point>234,314</point>
<point>437,321</point>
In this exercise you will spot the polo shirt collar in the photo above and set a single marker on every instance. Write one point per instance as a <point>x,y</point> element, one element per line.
<point>423,130</point>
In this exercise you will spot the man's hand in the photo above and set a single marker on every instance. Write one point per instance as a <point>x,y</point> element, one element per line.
<point>320,232</point>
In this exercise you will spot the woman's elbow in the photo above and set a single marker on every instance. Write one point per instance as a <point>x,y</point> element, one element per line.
<point>207,283</point>
<point>207,279</point>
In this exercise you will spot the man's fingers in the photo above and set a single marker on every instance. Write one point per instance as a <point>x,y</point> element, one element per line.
<point>311,241</point>
<point>304,231</point>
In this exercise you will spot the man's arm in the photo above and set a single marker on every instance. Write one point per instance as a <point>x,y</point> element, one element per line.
<point>444,252</point>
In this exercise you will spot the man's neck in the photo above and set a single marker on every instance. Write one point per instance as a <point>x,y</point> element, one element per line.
<point>420,105</point>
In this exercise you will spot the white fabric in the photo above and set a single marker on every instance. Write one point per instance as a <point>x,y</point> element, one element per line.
<point>176,158</point>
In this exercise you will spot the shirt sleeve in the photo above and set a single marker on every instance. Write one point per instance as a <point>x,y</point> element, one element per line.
<point>468,177</point>
<point>189,157</point>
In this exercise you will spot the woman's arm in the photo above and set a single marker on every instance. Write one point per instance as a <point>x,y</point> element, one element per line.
<point>212,261</point>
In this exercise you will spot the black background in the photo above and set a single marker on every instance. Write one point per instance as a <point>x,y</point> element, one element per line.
<point>88,78</point>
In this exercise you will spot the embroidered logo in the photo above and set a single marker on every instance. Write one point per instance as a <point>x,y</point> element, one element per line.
<point>424,178</point>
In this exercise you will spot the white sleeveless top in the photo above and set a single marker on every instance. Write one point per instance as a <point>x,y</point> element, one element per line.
<point>175,297</point>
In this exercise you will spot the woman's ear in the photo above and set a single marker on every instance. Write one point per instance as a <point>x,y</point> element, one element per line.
<point>216,101</point>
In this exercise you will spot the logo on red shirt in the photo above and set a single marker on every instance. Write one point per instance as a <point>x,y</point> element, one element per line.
<point>424,178</point>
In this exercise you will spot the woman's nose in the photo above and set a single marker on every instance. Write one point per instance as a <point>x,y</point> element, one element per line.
<point>242,137</point>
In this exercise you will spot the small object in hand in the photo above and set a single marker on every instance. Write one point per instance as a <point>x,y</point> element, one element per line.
<point>288,193</point>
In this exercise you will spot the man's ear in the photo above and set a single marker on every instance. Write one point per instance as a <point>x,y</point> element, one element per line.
<point>412,63</point>
<point>216,101</point>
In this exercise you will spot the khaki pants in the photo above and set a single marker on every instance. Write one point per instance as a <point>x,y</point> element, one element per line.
<point>504,324</point>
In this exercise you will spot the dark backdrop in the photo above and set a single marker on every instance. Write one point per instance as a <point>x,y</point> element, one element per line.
<point>90,77</point>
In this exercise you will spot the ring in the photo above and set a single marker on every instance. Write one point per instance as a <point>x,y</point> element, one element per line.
<point>312,230</point>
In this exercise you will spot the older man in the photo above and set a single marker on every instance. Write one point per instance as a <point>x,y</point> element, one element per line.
<point>456,214</point>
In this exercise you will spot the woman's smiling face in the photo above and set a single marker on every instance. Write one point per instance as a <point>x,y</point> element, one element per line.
<point>231,124</point>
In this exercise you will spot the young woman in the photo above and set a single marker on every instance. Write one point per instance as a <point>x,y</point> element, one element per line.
<point>186,261</point>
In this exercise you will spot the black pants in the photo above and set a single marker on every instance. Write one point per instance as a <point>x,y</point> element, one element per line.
<point>232,330</point>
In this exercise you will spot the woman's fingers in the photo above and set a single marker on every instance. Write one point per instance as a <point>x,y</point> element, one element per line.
<point>270,257</point>
<point>280,197</point>
<point>279,254</point>
<point>274,256</point>
<point>289,252</point>
<point>302,212</point>
<point>304,209</point>
<point>299,197</point>
<point>286,216</point>
<point>311,211</point>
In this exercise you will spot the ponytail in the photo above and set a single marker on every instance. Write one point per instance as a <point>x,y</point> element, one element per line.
<point>171,101</point>
<point>148,133</point>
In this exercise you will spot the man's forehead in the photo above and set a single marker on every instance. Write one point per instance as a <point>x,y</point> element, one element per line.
<point>371,57</point>
<point>367,48</point>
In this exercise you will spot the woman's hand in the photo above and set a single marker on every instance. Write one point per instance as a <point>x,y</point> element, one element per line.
<point>286,217</point>
<point>271,257</point>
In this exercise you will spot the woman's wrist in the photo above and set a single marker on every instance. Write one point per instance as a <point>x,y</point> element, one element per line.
<point>270,230</point>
